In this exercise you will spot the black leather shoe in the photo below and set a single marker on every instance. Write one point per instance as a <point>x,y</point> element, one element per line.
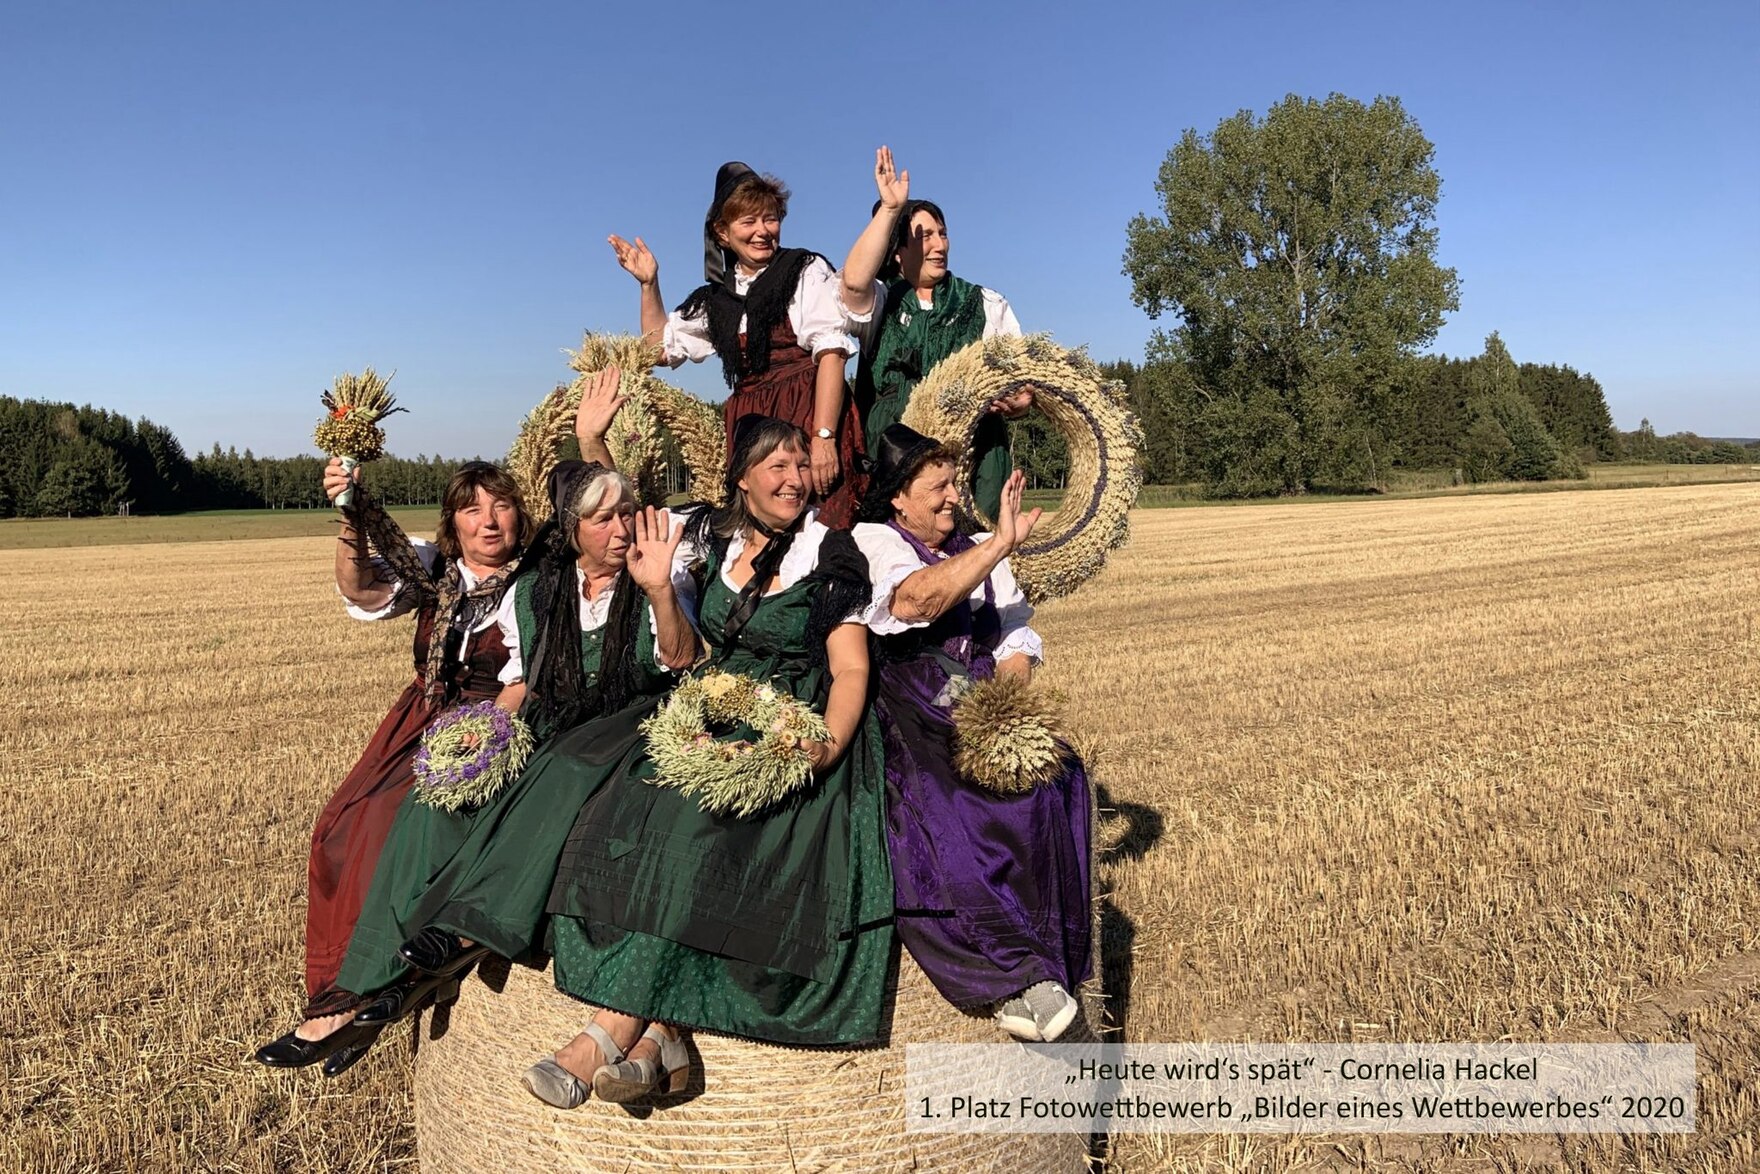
<point>347,1057</point>
<point>400,1000</point>
<point>438,951</point>
<point>290,1051</point>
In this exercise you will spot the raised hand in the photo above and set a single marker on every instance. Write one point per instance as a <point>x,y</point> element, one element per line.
<point>1015,404</point>
<point>636,260</point>
<point>1013,526</point>
<point>894,185</point>
<point>650,558</point>
<point>335,480</point>
<point>599,404</point>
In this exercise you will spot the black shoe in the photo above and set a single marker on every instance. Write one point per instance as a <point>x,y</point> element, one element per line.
<point>347,1057</point>
<point>290,1051</point>
<point>403,999</point>
<point>438,951</point>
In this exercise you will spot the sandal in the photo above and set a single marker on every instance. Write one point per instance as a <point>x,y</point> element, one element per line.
<point>555,1085</point>
<point>622,1081</point>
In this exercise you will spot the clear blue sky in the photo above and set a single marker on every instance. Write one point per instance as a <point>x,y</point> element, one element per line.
<point>211,209</point>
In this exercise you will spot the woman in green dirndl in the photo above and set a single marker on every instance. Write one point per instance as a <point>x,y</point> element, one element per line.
<point>908,312</point>
<point>774,926</point>
<point>598,625</point>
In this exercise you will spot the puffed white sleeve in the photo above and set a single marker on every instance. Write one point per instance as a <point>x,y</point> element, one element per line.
<point>999,316</point>
<point>686,340</point>
<point>817,313</point>
<point>864,328</point>
<point>508,621</point>
<point>401,602</point>
<point>1016,614</point>
<point>890,562</point>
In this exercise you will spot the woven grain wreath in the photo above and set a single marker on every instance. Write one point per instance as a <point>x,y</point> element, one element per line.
<point>1104,438</point>
<point>636,437</point>
<point>731,776</point>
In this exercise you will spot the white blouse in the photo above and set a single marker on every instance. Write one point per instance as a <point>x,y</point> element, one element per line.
<point>797,564</point>
<point>594,612</point>
<point>814,311</point>
<point>998,314</point>
<point>891,560</point>
<point>403,602</point>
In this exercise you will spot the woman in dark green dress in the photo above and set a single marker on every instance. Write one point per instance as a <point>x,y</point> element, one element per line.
<point>776,926</point>
<point>599,625</point>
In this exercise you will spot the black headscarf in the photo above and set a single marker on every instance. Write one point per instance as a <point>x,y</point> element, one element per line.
<point>559,696</point>
<point>900,455</point>
<point>717,260</point>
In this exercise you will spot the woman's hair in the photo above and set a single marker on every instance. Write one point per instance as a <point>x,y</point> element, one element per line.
<point>595,494</point>
<point>755,437</point>
<point>461,491</point>
<point>876,505</point>
<point>754,195</point>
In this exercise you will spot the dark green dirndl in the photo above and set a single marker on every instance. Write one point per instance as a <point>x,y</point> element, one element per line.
<point>908,344</point>
<point>486,873</point>
<point>775,927</point>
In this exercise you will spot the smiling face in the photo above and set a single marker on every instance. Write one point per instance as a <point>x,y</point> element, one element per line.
<point>925,506</point>
<point>775,486</point>
<point>606,528</point>
<point>922,260</point>
<point>752,230</point>
<point>488,529</point>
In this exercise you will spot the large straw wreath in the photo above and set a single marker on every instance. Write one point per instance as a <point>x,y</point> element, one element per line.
<point>1104,438</point>
<point>636,438</point>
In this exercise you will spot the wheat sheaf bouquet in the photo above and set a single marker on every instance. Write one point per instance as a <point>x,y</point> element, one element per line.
<point>1007,736</point>
<point>350,429</point>
<point>739,777</point>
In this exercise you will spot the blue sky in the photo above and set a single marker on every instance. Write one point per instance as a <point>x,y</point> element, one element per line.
<point>211,209</point>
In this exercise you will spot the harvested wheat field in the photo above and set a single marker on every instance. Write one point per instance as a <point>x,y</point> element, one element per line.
<point>1471,768</point>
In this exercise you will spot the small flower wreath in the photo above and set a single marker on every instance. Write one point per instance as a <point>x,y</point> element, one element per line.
<point>731,777</point>
<point>468,754</point>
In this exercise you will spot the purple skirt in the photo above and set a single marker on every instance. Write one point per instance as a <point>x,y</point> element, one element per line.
<point>992,890</point>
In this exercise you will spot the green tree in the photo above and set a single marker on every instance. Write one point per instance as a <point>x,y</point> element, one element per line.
<point>1299,254</point>
<point>1533,453</point>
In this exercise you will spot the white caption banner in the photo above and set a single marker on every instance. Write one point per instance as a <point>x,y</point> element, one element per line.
<point>1300,1088</point>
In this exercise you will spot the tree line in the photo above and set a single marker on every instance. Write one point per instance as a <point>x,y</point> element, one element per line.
<point>59,460</point>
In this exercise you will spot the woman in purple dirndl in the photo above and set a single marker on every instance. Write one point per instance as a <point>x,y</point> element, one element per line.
<point>992,890</point>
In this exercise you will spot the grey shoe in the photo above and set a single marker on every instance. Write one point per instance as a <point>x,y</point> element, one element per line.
<point>1043,1011</point>
<point>631,1080</point>
<point>555,1085</point>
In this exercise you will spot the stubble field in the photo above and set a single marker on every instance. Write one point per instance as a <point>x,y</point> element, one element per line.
<point>1472,768</point>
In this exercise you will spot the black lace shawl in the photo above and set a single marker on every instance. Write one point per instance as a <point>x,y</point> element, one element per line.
<point>763,306</point>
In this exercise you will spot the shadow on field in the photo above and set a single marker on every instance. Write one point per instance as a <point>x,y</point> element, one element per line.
<point>1126,834</point>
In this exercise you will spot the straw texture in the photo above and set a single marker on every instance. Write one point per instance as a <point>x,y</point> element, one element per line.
<point>637,440</point>
<point>749,1106</point>
<point>1104,438</point>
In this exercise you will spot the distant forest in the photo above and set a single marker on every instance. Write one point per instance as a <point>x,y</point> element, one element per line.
<point>1486,417</point>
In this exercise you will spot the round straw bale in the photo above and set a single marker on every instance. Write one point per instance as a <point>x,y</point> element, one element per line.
<point>749,1106</point>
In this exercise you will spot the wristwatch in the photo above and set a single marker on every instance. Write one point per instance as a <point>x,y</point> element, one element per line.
<point>824,433</point>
